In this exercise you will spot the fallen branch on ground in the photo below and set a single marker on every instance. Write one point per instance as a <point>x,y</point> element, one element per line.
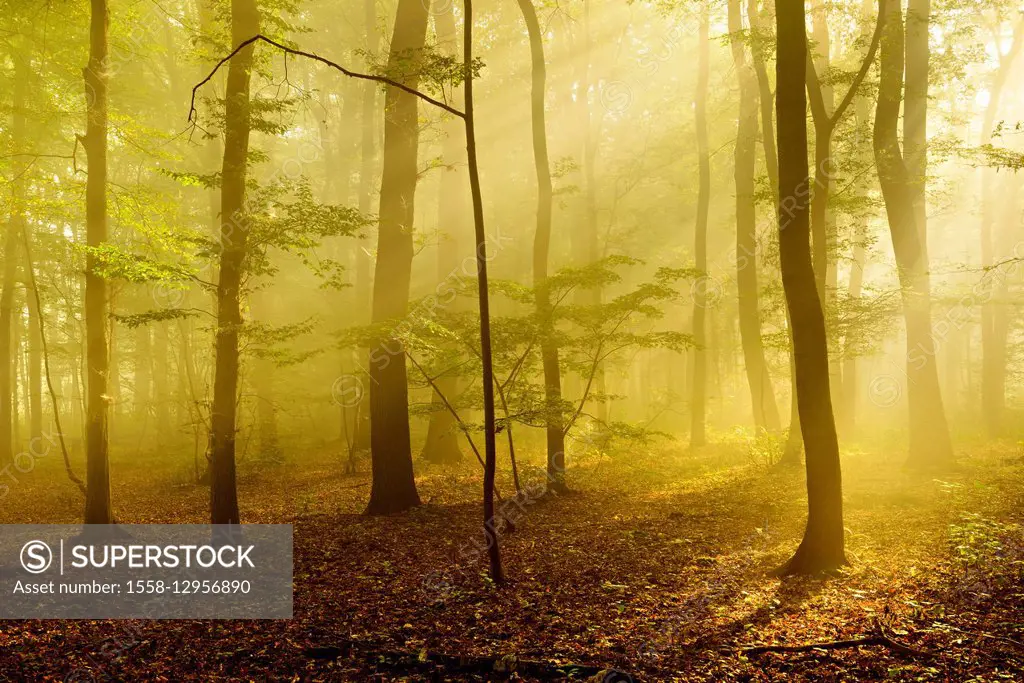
<point>879,637</point>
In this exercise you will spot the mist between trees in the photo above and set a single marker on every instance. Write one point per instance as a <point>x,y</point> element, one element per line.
<point>509,244</point>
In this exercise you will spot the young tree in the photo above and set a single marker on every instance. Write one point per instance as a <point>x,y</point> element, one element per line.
<point>930,445</point>
<point>698,436</point>
<point>822,547</point>
<point>394,486</point>
<point>234,231</point>
<point>541,247</point>
<point>766,412</point>
<point>97,500</point>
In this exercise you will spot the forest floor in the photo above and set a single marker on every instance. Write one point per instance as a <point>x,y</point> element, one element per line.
<point>658,564</point>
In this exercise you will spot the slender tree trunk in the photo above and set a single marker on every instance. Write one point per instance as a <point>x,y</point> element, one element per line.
<point>394,486</point>
<point>698,398</point>
<point>442,444</point>
<point>35,367</point>
<point>993,313</point>
<point>541,247</point>
<point>97,501</point>
<point>590,152</point>
<point>766,412</point>
<point>793,449</point>
<point>367,175</point>
<point>490,435</point>
<point>245,22</point>
<point>822,546</point>
<point>142,395</point>
<point>930,444</point>
<point>161,377</point>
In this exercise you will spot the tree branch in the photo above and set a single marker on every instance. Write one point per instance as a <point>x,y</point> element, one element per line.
<point>869,59</point>
<point>259,37</point>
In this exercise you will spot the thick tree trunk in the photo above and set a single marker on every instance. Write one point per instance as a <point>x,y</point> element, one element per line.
<point>930,444</point>
<point>698,397</point>
<point>234,229</point>
<point>766,412</point>
<point>97,501</point>
<point>822,546</point>
<point>442,445</point>
<point>12,235</point>
<point>541,247</point>
<point>394,486</point>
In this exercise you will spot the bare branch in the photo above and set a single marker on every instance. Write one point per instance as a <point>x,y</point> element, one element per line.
<point>323,60</point>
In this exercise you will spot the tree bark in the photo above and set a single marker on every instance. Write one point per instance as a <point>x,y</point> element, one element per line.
<point>930,445</point>
<point>766,412</point>
<point>698,398</point>
<point>490,435</point>
<point>97,500</point>
<point>234,229</point>
<point>442,445</point>
<point>394,486</point>
<point>541,247</point>
<point>822,546</point>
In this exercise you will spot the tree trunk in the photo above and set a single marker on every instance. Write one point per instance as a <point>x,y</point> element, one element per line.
<point>245,21</point>
<point>590,190</point>
<point>766,412</point>
<point>35,367</point>
<point>97,501</point>
<point>822,546</point>
<point>993,313</point>
<point>698,397</point>
<point>442,444</point>
<point>541,247</point>
<point>142,395</point>
<point>161,386</point>
<point>490,435</point>
<point>394,486</point>
<point>930,444</point>
<point>367,173</point>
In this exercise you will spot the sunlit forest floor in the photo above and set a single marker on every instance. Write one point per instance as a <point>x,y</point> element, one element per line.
<point>659,564</point>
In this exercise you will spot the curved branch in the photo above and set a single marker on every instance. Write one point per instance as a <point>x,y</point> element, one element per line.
<point>259,37</point>
<point>869,59</point>
<point>814,85</point>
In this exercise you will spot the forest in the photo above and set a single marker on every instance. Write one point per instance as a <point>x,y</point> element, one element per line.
<point>597,340</point>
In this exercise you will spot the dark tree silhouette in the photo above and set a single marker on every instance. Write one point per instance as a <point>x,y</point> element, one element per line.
<point>394,486</point>
<point>822,546</point>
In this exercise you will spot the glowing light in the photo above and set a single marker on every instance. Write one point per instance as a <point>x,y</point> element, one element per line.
<point>983,98</point>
